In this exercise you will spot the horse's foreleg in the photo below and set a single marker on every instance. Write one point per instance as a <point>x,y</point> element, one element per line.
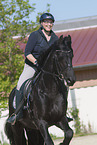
<point>68,132</point>
<point>34,137</point>
<point>9,133</point>
<point>18,134</point>
<point>43,127</point>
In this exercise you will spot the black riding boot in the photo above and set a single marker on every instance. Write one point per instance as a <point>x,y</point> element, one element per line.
<point>18,114</point>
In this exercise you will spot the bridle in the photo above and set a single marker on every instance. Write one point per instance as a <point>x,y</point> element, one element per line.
<point>58,75</point>
<point>57,62</point>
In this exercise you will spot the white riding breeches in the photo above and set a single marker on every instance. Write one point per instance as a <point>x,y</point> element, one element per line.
<point>28,72</point>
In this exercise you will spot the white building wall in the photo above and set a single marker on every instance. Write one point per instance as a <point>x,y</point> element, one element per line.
<point>85,99</point>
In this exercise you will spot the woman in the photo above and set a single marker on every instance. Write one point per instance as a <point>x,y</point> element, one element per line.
<point>38,42</point>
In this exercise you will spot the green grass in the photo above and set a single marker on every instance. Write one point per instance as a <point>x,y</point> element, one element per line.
<point>54,137</point>
<point>4,143</point>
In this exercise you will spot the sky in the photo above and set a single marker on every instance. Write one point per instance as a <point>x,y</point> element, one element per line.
<point>66,9</point>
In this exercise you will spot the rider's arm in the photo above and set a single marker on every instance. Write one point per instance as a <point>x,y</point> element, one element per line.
<point>31,58</point>
<point>32,40</point>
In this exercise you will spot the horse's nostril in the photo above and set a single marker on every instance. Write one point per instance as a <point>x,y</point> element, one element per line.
<point>69,80</point>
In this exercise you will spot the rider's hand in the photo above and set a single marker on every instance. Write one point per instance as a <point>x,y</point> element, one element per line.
<point>37,65</point>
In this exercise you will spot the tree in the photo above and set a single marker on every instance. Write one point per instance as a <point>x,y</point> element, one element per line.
<point>14,16</point>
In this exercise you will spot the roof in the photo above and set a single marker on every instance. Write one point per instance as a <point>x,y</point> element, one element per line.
<point>84,40</point>
<point>84,44</point>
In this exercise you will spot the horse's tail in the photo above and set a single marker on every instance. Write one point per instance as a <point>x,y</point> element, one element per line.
<point>9,133</point>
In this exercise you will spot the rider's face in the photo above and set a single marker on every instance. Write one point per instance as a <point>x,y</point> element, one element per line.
<point>47,25</point>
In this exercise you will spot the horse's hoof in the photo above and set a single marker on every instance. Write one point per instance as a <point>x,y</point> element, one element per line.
<point>61,144</point>
<point>69,119</point>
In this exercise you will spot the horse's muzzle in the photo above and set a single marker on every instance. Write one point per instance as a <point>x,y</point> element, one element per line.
<point>70,81</point>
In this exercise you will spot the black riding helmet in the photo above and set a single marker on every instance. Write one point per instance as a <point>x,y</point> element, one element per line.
<point>46,16</point>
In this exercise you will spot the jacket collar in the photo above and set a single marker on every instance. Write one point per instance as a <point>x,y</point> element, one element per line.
<point>40,31</point>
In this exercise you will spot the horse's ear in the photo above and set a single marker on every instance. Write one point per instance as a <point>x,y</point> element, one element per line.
<point>69,37</point>
<point>61,39</point>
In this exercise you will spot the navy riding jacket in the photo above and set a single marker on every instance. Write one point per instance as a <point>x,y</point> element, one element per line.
<point>37,43</point>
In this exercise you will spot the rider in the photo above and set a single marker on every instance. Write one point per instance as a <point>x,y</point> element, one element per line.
<point>38,42</point>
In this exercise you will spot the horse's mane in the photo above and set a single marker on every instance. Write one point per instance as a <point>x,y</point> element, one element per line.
<point>44,55</point>
<point>66,41</point>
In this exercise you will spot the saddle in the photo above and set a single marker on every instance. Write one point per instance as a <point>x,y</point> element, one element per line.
<point>25,91</point>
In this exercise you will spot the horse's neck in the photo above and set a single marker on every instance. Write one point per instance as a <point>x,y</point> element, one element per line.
<point>48,65</point>
<point>50,83</point>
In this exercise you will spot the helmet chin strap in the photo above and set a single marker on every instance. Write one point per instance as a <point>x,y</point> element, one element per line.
<point>45,29</point>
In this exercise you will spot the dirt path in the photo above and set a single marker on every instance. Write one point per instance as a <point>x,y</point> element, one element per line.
<point>84,140</point>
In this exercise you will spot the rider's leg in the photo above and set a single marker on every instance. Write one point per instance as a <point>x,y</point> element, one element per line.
<point>27,73</point>
<point>17,115</point>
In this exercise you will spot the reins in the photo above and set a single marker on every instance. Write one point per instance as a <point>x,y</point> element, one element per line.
<point>60,77</point>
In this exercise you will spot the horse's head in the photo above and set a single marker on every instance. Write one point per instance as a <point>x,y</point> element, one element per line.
<point>57,60</point>
<point>63,59</point>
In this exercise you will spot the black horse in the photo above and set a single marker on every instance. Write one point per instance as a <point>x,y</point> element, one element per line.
<point>45,98</point>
